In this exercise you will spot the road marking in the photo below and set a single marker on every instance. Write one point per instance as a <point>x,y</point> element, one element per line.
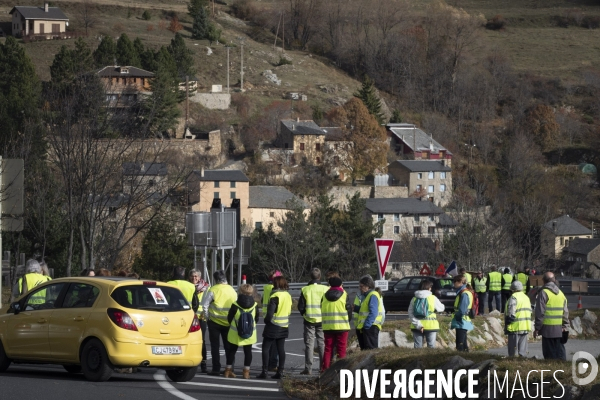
<point>234,379</point>
<point>230,387</point>
<point>160,378</point>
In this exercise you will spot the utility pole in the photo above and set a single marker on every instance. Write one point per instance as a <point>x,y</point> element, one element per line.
<point>227,69</point>
<point>277,32</point>
<point>187,111</point>
<point>242,70</point>
<point>283,32</point>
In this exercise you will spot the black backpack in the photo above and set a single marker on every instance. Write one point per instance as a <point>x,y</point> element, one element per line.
<point>245,323</point>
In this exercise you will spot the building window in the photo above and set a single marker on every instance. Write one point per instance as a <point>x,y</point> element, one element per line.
<point>442,175</point>
<point>258,225</point>
<point>318,146</point>
<point>430,189</point>
<point>143,81</point>
<point>396,230</point>
<point>562,241</point>
<point>112,212</point>
<point>336,146</point>
<point>431,230</point>
<point>442,188</point>
<point>379,217</point>
<point>301,146</point>
<point>318,160</point>
<point>124,81</point>
<point>419,187</point>
<point>431,174</point>
<point>232,184</point>
<point>285,145</point>
<point>232,195</point>
<point>396,217</point>
<point>272,214</point>
<point>578,258</point>
<point>217,184</point>
<point>416,217</point>
<point>216,196</point>
<point>151,182</point>
<point>431,217</point>
<point>419,176</point>
<point>567,245</point>
<point>417,230</point>
<point>396,266</point>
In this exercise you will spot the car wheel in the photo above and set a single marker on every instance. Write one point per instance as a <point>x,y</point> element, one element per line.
<point>4,360</point>
<point>182,374</point>
<point>72,369</point>
<point>95,364</point>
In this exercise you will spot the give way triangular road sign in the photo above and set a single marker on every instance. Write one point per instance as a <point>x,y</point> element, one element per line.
<point>383,248</point>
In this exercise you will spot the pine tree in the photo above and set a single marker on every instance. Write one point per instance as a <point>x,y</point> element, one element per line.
<point>106,52</point>
<point>69,63</point>
<point>139,49</point>
<point>396,117</point>
<point>196,6</point>
<point>126,52</point>
<point>201,25</point>
<point>368,95</point>
<point>182,56</point>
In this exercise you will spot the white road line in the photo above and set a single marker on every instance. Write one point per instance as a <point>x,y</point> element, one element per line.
<point>160,378</point>
<point>230,386</point>
<point>234,379</point>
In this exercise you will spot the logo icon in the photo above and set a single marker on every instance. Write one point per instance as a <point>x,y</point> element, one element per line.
<point>584,363</point>
<point>165,320</point>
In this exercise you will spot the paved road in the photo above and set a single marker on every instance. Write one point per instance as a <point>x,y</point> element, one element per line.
<point>572,346</point>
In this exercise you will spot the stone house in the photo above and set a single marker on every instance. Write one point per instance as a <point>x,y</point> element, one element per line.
<point>205,185</point>
<point>408,259</point>
<point>412,143</point>
<point>558,233</point>
<point>48,22</point>
<point>582,258</point>
<point>305,138</point>
<point>139,176</point>
<point>124,84</point>
<point>269,204</point>
<point>430,179</point>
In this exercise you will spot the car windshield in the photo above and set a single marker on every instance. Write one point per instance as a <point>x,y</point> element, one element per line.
<point>446,284</point>
<point>153,298</point>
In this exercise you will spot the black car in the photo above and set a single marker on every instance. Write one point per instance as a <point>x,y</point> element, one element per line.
<point>398,297</point>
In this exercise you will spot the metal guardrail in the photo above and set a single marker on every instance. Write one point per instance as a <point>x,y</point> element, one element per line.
<point>295,288</point>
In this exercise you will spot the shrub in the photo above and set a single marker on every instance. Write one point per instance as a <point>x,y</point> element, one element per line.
<point>244,9</point>
<point>175,25</point>
<point>283,61</point>
<point>591,22</point>
<point>146,16</point>
<point>496,23</point>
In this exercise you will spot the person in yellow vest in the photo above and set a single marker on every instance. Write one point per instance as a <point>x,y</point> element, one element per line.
<point>480,287</point>
<point>517,320</point>
<point>494,289</point>
<point>507,279</point>
<point>33,277</point>
<point>187,288</point>
<point>201,286</point>
<point>467,275</point>
<point>370,315</point>
<point>551,318</point>
<point>460,319</point>
<point>523,277</point>
<point>425,326</point>
<point>216,304</point>
<point>277,322</point>
<point>245,304</point>
<point>309,306</point>
<point>267,289</point>
<point>337,314</point>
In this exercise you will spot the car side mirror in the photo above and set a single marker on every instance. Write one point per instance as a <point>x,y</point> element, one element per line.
<point>16,307</point>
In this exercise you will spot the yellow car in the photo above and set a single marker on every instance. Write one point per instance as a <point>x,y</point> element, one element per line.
<point>96,324</point>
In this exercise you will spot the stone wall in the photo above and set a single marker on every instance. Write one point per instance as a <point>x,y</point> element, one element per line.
<point>212,101</point>
<point>390,192</point>
<point>339,193</point>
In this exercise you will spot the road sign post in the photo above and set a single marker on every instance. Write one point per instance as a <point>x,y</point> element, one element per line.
<point>383,248</point>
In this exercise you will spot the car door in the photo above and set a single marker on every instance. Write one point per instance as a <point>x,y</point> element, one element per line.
<point>27,332</point>
<point>69,321</point>
<point>393,298</point>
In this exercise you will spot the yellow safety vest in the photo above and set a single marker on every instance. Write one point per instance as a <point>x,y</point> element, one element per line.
<point>224,296</point>
<point>469,277</point>
<point>200,298</point>
<point>430,323</point>
<point>364,311</point>
<point>267,289</point>
<point>313,294</point>
<point>523,278</point>
<point>32,280</point>
<point>554,308</point>
<point>187,288</point>
<point>480,285</point>
<point>356,303</point>
<point>232,335</point>
<point>335,316</point>
<point>284,309</point>
<point>495,281</point>
<point>465,317</point>
<point>508,278</point>
<point>522,320</point>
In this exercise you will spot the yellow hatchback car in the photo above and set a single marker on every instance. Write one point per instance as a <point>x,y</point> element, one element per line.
<point>96,324</point>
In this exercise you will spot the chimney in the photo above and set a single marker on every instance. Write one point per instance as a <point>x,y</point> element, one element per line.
<point>202,172</point>
<point>45,7</point>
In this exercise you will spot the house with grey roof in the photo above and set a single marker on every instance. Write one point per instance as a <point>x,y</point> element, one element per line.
<point>305,138</point>
<point>124,84</point>
<point>431,179</point>
<point>409,256</point>
<point>558,233</point>
<point>413,143</point>
<point>226,184</point>
<point>404,217</point>
<point>269,204</point>
<point>582,258</point>
<point>43,22</point>
<point>148,177</point>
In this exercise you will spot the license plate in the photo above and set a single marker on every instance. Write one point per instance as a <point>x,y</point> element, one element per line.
<point>161,350</point>
<point>450,294</point>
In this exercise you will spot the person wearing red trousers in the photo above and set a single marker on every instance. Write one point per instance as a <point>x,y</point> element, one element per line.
<point>336,313</point>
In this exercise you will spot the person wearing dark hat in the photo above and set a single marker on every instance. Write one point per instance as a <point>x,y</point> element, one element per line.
<point>370,315</point>
<point>507,279</point>
<point>337,314</point>
<point>517,320</point>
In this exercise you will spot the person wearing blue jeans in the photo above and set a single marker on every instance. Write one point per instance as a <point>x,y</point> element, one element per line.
<point>425,327</point>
